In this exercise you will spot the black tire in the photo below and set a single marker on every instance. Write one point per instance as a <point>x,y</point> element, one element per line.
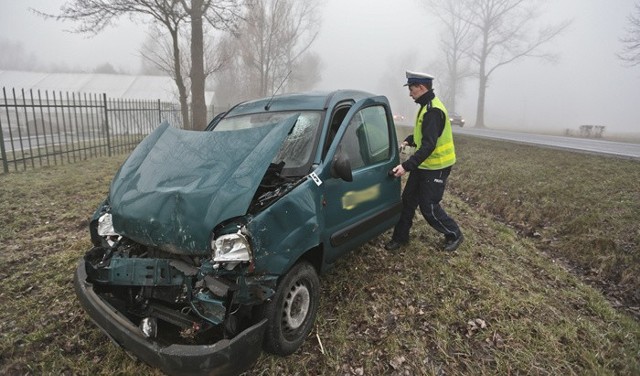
<point>292,310</point>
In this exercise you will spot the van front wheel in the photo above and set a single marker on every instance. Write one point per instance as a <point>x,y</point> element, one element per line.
<point>292,310</point>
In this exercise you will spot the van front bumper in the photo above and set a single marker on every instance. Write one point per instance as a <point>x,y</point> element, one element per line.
<point>225,357</point>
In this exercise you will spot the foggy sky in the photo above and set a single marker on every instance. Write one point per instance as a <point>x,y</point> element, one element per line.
<point>368,44</point>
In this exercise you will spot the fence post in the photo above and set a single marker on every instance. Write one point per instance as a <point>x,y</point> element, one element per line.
<point>106,123</point>
<point>3,152</point>
<point>159,112</point>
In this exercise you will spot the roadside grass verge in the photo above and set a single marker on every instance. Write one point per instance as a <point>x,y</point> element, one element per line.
<point>584,209</point>
<point>501,304</point>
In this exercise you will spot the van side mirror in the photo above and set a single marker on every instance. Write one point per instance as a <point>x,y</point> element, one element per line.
<point>341,167</point>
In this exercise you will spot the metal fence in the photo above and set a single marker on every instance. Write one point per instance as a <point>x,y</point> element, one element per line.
<point>51,128</point>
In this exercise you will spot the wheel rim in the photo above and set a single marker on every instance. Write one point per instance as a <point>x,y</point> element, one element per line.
<point>296,307</point>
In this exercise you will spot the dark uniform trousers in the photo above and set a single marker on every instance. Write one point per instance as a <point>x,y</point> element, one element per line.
<point>424,189</point>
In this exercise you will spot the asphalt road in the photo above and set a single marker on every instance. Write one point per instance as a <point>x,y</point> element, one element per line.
<point>620,149</point>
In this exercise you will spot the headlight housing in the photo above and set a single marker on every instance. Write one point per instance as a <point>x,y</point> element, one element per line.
<point>105,225</point>
<point>231,248</point>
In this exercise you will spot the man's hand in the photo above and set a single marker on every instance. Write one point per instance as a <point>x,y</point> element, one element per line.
<point>398,171</point>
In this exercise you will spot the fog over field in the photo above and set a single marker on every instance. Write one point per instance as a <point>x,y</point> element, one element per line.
<point>368,44</point>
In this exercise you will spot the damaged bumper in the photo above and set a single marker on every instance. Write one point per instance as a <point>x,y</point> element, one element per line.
<point>225,357</point>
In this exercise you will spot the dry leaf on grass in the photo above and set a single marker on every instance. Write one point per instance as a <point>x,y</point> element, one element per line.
<point>397,362</point>
<point>496,340</point>
<point>474,326</point>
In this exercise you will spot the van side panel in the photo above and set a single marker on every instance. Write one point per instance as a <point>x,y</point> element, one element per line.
<point>287,229</point>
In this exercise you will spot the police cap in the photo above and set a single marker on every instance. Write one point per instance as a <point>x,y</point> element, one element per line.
<point>418,78</point>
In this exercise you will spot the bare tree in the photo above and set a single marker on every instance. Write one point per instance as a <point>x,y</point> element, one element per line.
<point>306,73</point>
<point>15,57</point>
<point>106,68</point>
<point>158,57</point>
<point>168,56</point>
<point>272,40</point>
<point>630,53</point>
<point>157,53</point>
<point>93,16</point>
<point>456,43</point>
<point>506,32</point>
<point>196,11</point>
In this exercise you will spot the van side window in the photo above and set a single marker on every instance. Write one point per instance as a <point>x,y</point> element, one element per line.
<point>336,119</point>
<point>366,140</point>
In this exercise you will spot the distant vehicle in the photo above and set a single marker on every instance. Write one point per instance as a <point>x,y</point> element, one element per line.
<point>456,119</point>
<point>398,117</point>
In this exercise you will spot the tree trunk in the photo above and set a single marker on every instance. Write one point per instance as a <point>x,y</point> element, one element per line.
<point>198,104</point>
<point>482,80</point>
<point>454,87</point>
<point>482,89</point>
<point>182,90</point>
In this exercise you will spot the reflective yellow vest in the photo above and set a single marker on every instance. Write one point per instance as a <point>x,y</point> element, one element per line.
<point>444,155</point>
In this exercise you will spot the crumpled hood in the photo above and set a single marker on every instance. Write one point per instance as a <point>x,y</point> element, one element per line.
<point>177,185</point>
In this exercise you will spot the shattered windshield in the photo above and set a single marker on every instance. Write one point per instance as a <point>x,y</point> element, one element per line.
<point>297,147</point>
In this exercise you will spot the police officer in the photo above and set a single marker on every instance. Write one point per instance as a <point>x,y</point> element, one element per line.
<point>429,166</point>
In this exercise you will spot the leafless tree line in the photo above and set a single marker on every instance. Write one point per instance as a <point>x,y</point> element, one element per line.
<point>261,40</point>
<point>481,36</point>
<point>630,53</point>
<point>271,50</point>
<point>265,43</point>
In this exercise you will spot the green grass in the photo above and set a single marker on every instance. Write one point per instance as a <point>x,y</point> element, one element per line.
<point>581,208</point>
<point>541,267</point>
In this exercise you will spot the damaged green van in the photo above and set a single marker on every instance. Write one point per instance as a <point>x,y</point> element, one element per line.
<point>209,245</point>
